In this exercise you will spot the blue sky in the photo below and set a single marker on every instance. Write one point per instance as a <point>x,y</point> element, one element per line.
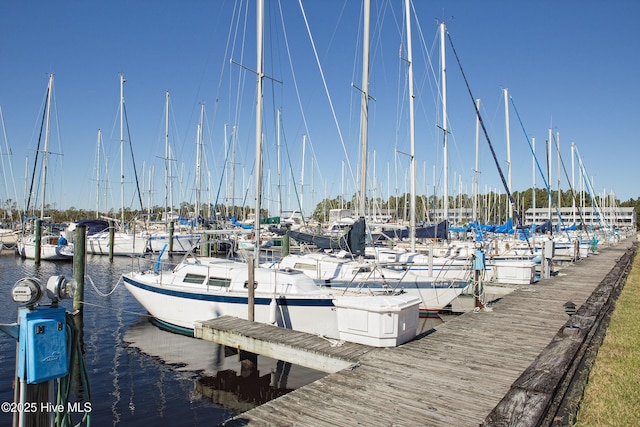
<point>571,66</point>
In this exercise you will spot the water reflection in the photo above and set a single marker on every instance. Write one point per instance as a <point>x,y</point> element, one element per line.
<point>220,373</point>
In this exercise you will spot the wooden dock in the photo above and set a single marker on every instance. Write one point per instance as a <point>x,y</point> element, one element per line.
<point>299,348</point>
<point>453,376</point>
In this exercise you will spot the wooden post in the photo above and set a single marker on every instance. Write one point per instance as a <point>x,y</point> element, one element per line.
<point>79,266</point>
<point>248,364</point>
<point>250,289</point>
<point>476,288</point>
<point>204,245</point>
<point>38,242</point>
<point>543,263</point>
<point>171,229</point>
<point>479,265</point>
<point>112,233</point>
<point>286,245</point>
<point>216,246</point>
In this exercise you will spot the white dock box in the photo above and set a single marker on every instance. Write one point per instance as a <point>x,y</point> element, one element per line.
<point>378,321</point>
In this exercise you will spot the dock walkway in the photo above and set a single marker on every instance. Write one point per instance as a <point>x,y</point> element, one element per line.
<point>453,376</point>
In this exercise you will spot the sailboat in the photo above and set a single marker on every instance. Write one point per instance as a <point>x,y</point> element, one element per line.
<point>198,289</point>
<point>349,268</point>
<point>123,242</point>
<point>8,226</point>
<point>181,241</point>
<point>52,246</point>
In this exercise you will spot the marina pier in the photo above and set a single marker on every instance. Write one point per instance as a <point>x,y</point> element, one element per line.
<point>515,363</point>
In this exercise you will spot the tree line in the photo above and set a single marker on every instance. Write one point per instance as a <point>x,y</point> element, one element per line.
<point>490,206</point>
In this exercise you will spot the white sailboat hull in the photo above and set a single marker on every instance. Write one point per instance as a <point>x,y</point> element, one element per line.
<point>434,292</point>
<point>48,251</point>
<point>181,242</point>
<point>208,288</point>
<point>124,244</point>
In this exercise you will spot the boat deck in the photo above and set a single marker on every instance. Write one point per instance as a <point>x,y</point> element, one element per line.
<point>454,375</point>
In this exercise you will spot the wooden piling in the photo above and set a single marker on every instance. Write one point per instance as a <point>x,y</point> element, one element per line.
<point>38,242</point>
<point>286,245</point>
<point>79,266</point>
<point>251,289</point>
<point>171,230</point>
<point>216,246</point>
<point>205,249</point>
<point>112,233</point>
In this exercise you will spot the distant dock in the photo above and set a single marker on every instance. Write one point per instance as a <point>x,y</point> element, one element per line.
<point>504,366</point>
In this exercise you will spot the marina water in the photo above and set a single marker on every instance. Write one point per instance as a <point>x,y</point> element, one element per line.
<point>138,372</point>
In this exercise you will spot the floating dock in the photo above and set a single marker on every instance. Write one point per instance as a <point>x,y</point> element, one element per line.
<point>469,371</point>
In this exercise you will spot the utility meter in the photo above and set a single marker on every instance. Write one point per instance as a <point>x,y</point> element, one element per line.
<point>27,291</point>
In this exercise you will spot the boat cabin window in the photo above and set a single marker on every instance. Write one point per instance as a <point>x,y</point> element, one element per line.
<point>304,266</point>
<point>196,279</point>
<point>246,284</point>
<point>219,281</point>
<point>362,270</point>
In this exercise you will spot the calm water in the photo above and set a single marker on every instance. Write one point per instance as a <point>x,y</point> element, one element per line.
<point>138,373</point>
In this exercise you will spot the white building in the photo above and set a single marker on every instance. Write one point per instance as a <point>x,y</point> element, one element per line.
<point>617,217</point>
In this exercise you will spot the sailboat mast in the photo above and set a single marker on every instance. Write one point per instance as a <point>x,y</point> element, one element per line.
<point>549,160</point>
<point>199,162</point>
<point>233,169</point>
<point>508,133</point>
<point>279,169</point>
<point>259,101</point>
<point>412,136</point>
<point>445,132</point>
<point>364,111</point>
<point>46,145</point>
<point>559,164</point>
<point>476,171</point>
<point>122,81</point>
<point>573,180</point>
<point>304,145</point>
<point>533,171</point>
<point>342,186</point>
<point>167,165</point>
<point>99,143</point>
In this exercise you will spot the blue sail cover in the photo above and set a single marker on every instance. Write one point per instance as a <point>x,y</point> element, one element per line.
<point>94,225</point>
<point>235,223</point>
<point>438,231</point>
<point>507,227</point>
<point>352,241</point>
<point>541,228</point>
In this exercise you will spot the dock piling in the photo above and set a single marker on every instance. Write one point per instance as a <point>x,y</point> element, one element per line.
<point>38,242</point>
<point>171,230</point>
<point>112,234</point>
<point>79,266</point>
